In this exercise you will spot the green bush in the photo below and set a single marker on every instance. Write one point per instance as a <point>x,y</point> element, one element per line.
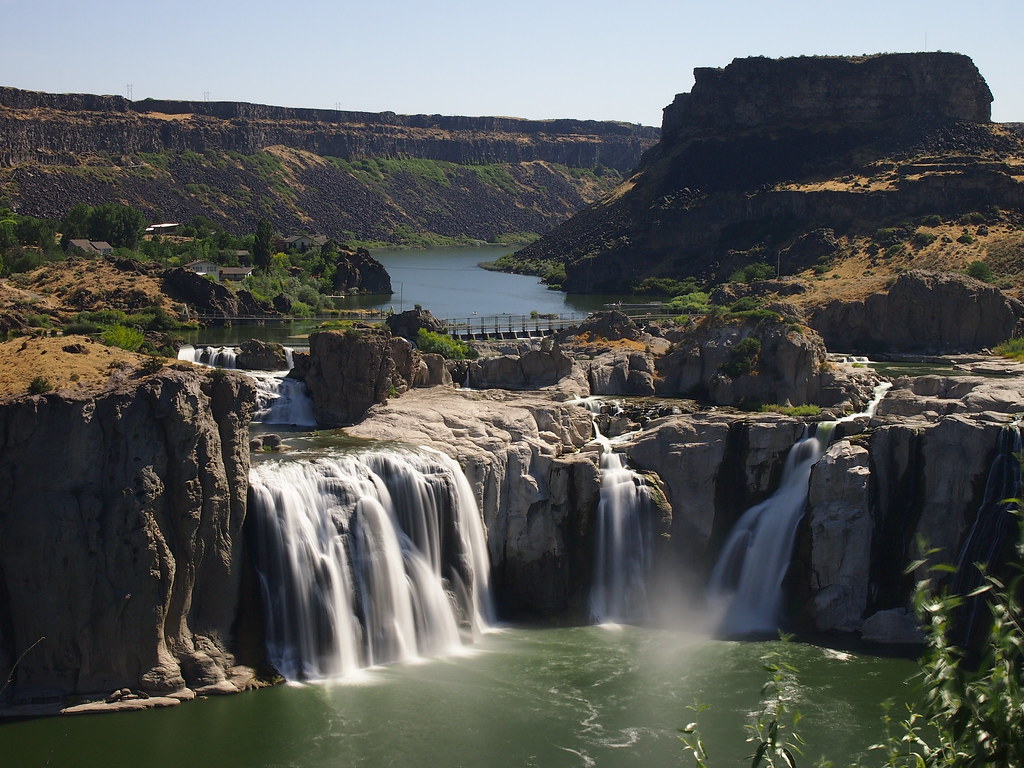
<point>742,358</point>
<point>745,304</point>
<point>966,238</point>
<point>696,302</point>
<point>446,346</point>
<point>39,385</point>
<point>123,336</point>
<point>922,239</point>
<point>979,270</point>
<point>759,270</point>
<point>792,410</point>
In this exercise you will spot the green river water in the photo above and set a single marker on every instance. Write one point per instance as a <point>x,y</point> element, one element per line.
<point>521,697</point>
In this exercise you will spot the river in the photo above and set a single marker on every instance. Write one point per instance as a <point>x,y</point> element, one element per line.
<point>446,281</point>
<point>522,697</point>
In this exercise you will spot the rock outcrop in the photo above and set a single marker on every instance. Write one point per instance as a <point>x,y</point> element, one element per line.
<point>120,523</point>
<point>348,371</point>
<point>357,271</point>
<point>764,158</point>
<point>210,298</point>
<point>257,355</point>
<point>924,311</point>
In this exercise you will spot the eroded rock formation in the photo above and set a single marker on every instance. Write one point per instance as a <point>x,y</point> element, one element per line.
<point>120,522</point>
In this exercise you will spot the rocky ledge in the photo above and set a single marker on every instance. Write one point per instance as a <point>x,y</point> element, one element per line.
<point>121,509</point>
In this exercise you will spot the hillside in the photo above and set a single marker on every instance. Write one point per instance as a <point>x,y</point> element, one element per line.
<point>355,176</point>
<point>822,168</point>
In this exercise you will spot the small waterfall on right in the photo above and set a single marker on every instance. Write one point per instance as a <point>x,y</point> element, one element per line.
<point>991,538</point>
<point>746,582</point>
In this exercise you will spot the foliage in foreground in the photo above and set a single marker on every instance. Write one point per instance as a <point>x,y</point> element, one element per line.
<point>971,714</point>
<point>446,346</point>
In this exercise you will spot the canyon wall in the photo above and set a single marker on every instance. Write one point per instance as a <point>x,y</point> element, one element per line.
<point>120,537</point>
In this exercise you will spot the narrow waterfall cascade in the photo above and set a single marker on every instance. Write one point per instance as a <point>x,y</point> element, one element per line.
<point>368,559</point>
<point>281,400</point>
<point>622,557</point>
<point>746,582</point>
<point>992,535</point>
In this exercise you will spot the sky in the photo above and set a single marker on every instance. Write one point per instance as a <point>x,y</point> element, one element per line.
<point>538,59</point>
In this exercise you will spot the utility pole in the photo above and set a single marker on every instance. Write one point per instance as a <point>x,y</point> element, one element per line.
<point>129,88</point>
<point>206,96</point>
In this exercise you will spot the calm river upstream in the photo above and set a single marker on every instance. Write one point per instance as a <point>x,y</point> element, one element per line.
<point>586,696</point>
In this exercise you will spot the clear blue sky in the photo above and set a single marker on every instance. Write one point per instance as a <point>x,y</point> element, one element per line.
<point>597,59</point>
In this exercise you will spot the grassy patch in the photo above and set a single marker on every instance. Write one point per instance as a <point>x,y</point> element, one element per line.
<point>1011,348</point>
<point>791,410</point>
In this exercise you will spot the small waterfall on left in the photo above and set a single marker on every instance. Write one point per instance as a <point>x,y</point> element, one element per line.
<point>367,559</point>
<point>622,556</point>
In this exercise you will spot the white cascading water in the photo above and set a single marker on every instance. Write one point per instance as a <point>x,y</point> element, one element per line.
<point>746,582</point>
<point>368,559</point>
<point>280,400</point>
<point>622,555</point>
<point>215,357</point>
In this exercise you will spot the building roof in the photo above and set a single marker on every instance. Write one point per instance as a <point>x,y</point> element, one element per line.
<point>236,270</point>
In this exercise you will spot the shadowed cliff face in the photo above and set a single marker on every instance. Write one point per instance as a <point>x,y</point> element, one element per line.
<point>120,522</point>
<point>764,151</point>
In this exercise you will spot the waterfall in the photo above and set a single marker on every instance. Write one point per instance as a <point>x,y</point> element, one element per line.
<point>281,400</point>
<point>217,357</point>
<point>622,556</point>
<point>623,548</point>
<point>746,581</point>
<point>367,559</point>
<point>993,533</point>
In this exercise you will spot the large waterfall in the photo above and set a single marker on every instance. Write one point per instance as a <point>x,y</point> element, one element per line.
<point>367,559</point>
<point>746,582</point>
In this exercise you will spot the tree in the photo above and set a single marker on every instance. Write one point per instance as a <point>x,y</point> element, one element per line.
<point>119,225</point>
<point>262,246</point>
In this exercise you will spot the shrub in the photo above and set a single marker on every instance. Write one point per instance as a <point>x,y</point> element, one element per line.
<point>792,410</point>
<point>124,337</point>
<point>446,346</point>
<point>1011,348</point>
<point>745,304</point>
<point>922,239</point>
<point>759,270</point>
<point>39,385</point>
<point>966,238</point>
<point>695,301</point>
<point>979,270</point>
<point>742,358</point>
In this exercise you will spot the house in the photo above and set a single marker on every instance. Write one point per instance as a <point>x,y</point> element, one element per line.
<point>162,229</point>
<point>234,273</point>
<point>203,267</point>
<point>303,243</point>
<point>90,247</point>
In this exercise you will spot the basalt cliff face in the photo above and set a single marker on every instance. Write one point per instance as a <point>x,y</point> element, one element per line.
<point>354,173</point>
<point>120,537</point>
<point>764,152</point>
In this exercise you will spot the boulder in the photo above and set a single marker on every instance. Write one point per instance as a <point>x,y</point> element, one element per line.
<point>257,355</point>
<point>349,371</point>
<point>407,324</point>
<point>358,272</point>
<point>532,369</point>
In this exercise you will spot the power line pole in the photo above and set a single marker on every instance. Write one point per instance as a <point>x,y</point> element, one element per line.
<point>206,96</point>
<point>129,88</point>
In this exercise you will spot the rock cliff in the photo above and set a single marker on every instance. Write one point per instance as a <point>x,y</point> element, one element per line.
<point>347,174</point>
<point>120,521</point>
<point>764,153</point>
<point>925,312</point>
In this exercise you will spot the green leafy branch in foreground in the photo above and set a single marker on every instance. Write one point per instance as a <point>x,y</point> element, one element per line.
<point>971,714</point>
<point>773,732</point>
